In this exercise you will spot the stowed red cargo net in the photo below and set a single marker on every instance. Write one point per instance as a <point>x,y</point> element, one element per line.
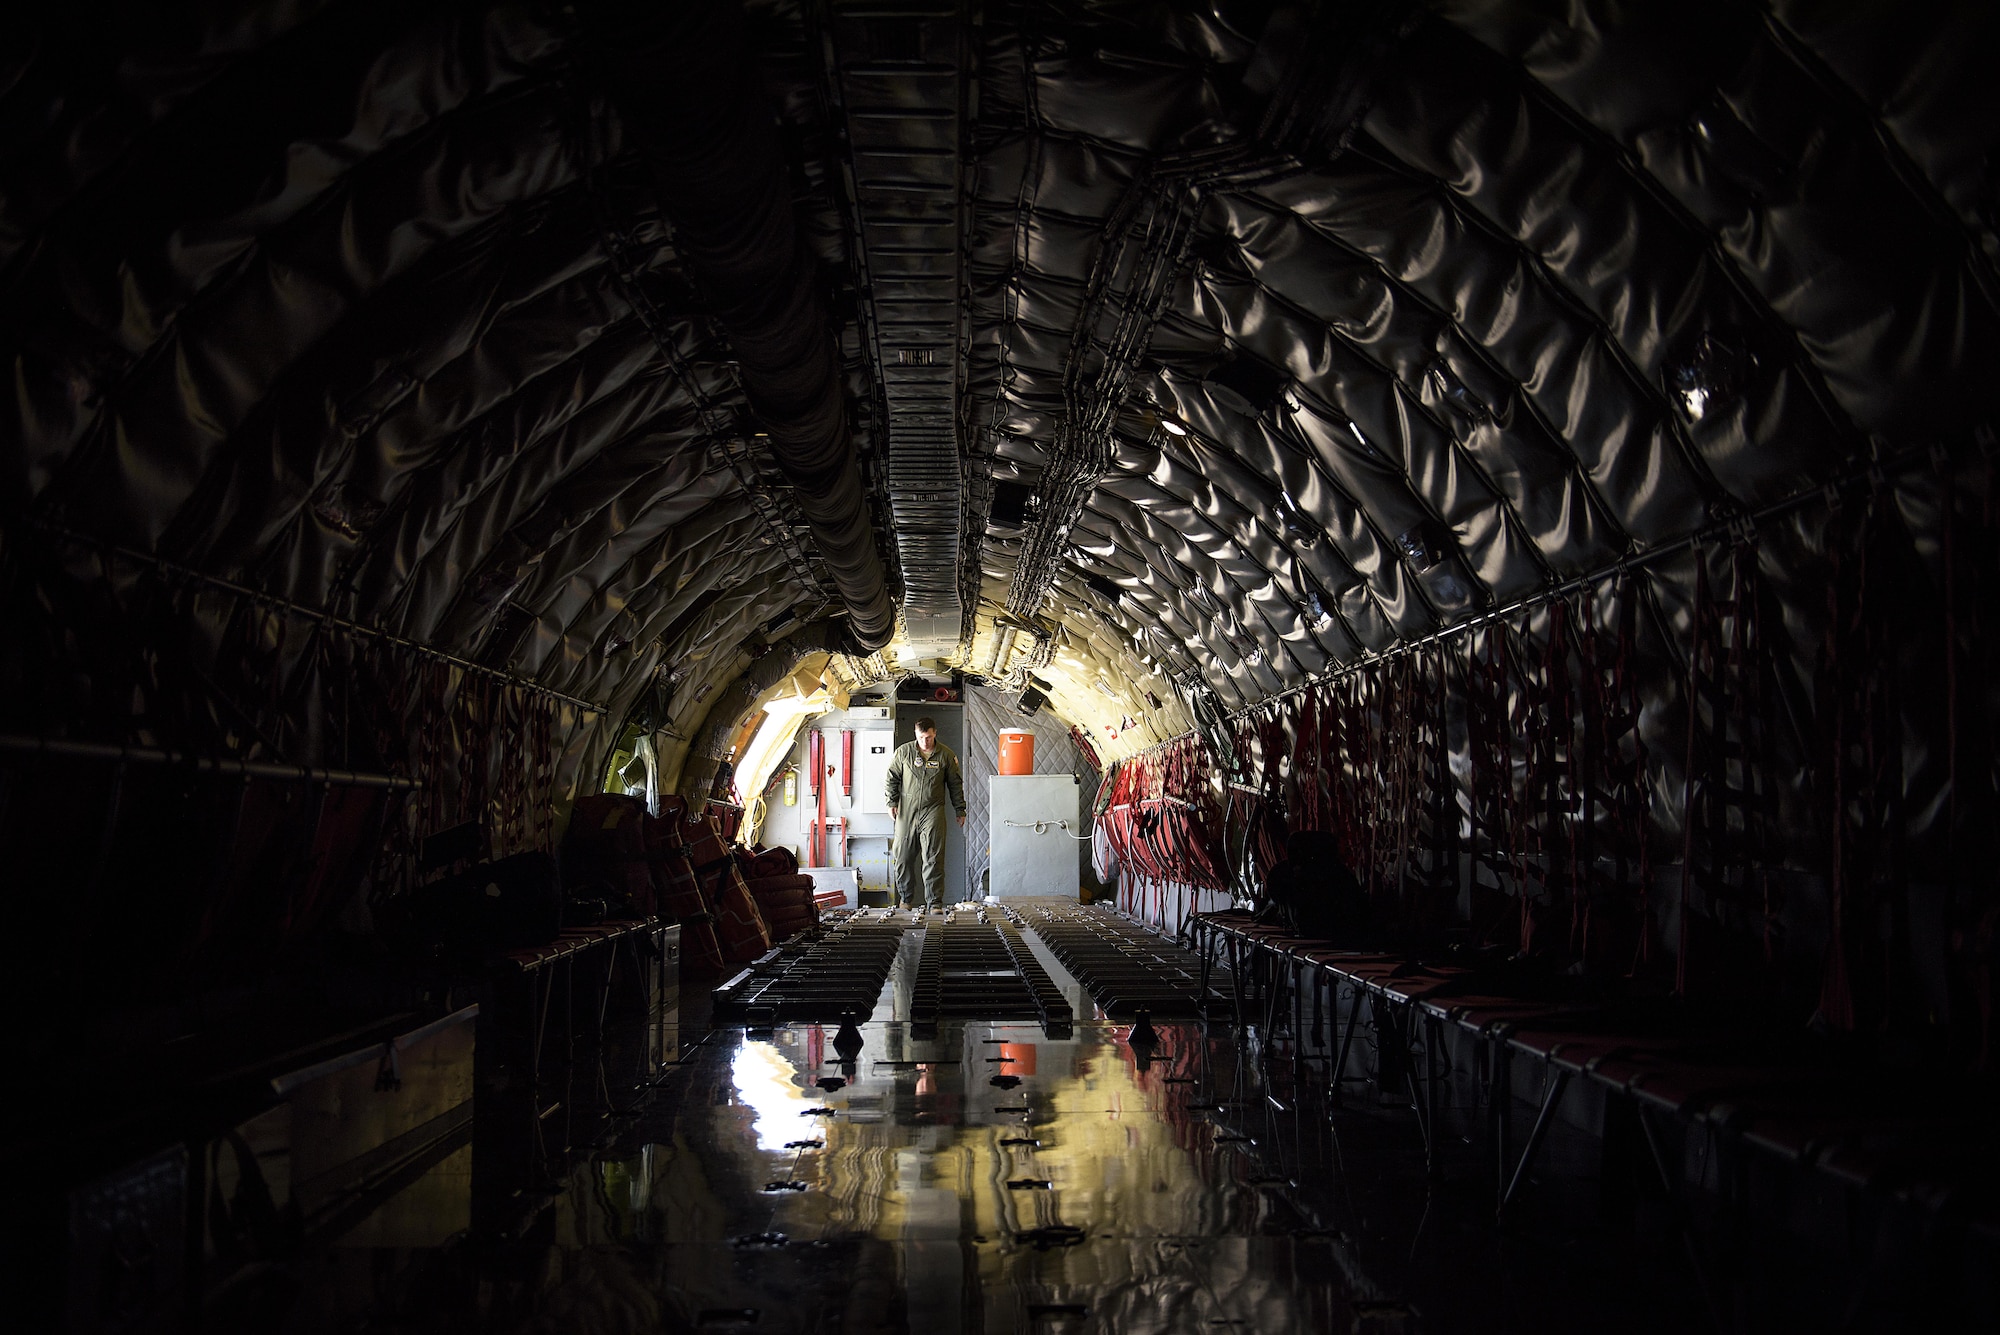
<point>1164,824</point>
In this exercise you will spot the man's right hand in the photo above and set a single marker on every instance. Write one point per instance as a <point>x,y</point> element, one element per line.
<point>892,813</point>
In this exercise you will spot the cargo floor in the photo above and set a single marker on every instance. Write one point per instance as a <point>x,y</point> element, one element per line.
<point>993,1178</point>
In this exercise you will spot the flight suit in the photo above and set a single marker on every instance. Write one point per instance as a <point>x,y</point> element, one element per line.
<point>921,787</point>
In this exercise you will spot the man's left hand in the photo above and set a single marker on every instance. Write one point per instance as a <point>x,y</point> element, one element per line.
<point>961,822</point>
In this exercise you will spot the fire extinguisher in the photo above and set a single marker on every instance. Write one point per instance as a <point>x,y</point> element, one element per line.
<point>791,787</point>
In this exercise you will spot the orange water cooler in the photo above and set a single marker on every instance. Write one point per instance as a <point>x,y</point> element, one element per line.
<point>1017,751</point>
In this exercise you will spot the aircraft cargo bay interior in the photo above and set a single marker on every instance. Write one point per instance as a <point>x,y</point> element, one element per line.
<point>974,666</point>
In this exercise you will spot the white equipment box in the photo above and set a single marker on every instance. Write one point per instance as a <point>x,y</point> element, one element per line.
<point>1034,824</point>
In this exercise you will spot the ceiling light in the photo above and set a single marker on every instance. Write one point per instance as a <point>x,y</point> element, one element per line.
<point>1172,427</point>
<point>1362,439</point>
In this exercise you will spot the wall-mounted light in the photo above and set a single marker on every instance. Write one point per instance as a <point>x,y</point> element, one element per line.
<point>1418,548</point>
<point>1316,611</point>
<point>1714,373</point>
<point>623,631</point>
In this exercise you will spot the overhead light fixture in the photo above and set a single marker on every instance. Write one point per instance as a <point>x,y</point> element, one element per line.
<point>1171,427</point>
<point>1361,439</point>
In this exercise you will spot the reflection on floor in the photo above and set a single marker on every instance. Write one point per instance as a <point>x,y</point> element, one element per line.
<point>990,1178</point>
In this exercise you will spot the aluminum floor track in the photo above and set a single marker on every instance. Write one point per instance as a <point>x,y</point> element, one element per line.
<point>823,975</point>
<point>976,966</point>
<point>1125,967</point>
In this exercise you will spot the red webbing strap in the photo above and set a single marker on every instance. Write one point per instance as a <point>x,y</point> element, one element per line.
<point>1982,919</point>
<point>1546,711</point>
<point>1588,779</point>
<point>1365,739</point>
<point>1947,541</point>
<point>1534,811</point>
<point>1747,837</point>
<point>507,791</point>
<point>1836,995</point>
<point>1438,788</point>
<point>542,783</point>
<point>1563,783</point>
<point>397,729</point>
<point>1612,780</point>
<point>816,789</point>
<point>1700,653</point>
<point>1395,811</point>
<point>1488,741</point>
<point>429,752</point>
<point>1726,790</point>
<point>1866,781</point>
<point>819,845</point>
<point>1309,802</point>
<point>1636,784</point>
<point>465,726</point>
<point>1333,767</point>
<point>1270,828</point>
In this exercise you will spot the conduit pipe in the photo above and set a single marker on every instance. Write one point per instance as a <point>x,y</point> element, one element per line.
<point>62,748</point>
<point>692,103</point>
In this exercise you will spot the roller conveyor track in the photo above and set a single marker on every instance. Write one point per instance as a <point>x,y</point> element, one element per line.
<point>820,975</point>
<point>974,968</point>
<point>1125,967</point>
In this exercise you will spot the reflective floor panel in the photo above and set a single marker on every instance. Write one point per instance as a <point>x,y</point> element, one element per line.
<point>992,1179</point>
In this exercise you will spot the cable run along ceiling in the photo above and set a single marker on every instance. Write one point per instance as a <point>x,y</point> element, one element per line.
<point>895,81</point>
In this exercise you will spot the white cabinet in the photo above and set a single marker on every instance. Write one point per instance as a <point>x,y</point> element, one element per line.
<point>871,768</point>
<point>1034,824</point>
